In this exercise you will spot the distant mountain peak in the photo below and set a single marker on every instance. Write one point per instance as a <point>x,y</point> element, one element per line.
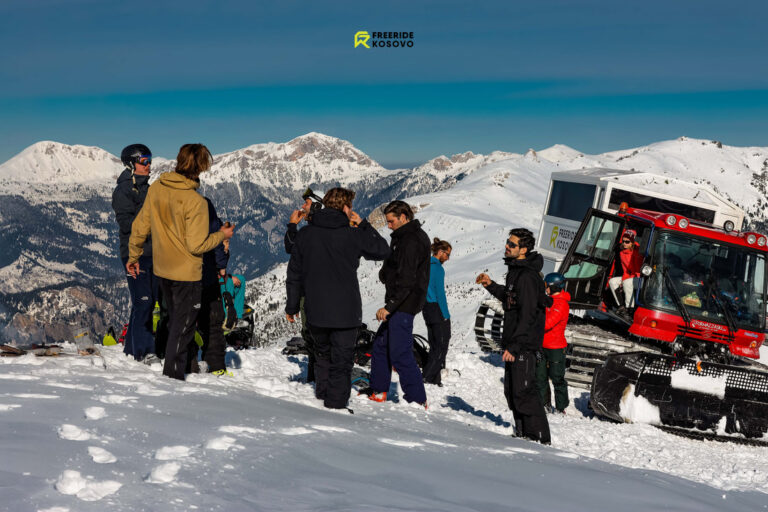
<point>49,162</point>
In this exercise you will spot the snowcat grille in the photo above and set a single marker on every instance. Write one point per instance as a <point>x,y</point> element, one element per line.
<point>736,378</point>
<point>701,334</point>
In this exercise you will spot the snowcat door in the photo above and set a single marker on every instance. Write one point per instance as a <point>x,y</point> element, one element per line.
<point>590,258</point>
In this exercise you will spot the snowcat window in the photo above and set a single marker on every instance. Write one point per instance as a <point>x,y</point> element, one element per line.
<point>570,200</point>
<point>595,244</point>
<point>701,272</point>
<point>656,204</point>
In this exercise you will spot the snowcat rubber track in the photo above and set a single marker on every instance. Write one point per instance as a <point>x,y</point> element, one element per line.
<point>681,393</point>
<point>708,436</point>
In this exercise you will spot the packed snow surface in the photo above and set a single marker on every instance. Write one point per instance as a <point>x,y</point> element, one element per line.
<point>261,441</point>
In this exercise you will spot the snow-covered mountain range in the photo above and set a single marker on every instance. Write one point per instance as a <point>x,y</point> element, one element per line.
<point>57,228</point>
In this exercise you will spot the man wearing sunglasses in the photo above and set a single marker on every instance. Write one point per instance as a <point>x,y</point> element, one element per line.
<point>127,199</point>
<point>626,271</point>
<point>524,301</point>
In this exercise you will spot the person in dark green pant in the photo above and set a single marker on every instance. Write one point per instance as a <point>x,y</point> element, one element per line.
<point>552,365</point>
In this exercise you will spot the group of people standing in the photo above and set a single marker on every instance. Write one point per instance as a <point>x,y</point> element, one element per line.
<point>172,245</point>
<point>322,274</point>
<point>175,250</point>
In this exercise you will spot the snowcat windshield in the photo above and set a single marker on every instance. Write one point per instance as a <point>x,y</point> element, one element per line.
<point>705,270</point>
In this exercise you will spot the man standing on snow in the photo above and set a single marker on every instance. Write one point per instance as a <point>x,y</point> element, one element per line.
<point>323,268</point>
<point>405,275</point>
<point>524,303</point>
<point>127,199</point>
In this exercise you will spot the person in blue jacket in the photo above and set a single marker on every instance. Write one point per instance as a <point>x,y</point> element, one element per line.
<point>436,314</point>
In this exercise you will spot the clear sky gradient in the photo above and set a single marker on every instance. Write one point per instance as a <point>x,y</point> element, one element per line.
<point>482,76</point>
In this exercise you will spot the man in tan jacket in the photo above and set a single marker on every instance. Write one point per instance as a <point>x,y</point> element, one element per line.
<point>177,216</point>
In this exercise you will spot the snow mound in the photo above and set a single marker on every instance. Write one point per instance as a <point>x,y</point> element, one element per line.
<point>73,483</point>
<point>100,455</point>
<point>173,452</point>
<point>164,473</point>
<point>637,409</point>
<point>73,433</point>
<point>220,443</point>
<point>95,413</point>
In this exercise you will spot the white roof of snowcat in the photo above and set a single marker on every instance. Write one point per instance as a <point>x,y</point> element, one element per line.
<point>650,184</point>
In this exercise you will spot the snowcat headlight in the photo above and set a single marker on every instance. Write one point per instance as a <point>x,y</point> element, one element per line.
<point>646,270</point>
<point>729,226</point>
<point>683,223</point>
<point>751,239</point>
<point>671,220</point>
<point>761,241</point>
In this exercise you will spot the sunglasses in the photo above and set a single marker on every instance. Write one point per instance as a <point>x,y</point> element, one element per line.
<point>144,160</point>
<point>511,245</point>
<point>626,241</point>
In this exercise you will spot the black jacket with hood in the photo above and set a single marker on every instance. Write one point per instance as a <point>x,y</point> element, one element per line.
<point>525,302</point>
<point>405,273</point>
<point>127,200</point>
<point>323,268</point>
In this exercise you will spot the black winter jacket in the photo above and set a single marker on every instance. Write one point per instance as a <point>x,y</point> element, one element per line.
<point>323,269</point>
<point>405,273</point>
<point>217,258</point>
<point>127,200</point>
<point>525,302</point>
<point>290,237</point>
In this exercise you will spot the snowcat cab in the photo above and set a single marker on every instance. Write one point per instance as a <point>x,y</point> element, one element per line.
<point>699,308</point>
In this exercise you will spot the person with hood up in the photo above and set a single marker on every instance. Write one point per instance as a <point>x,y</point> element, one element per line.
<point>524,302</point>
<point>552,365</point>
<point>177,216</point>
<point>626,271</point>
<point>323,268</point>
<point>127,199</point>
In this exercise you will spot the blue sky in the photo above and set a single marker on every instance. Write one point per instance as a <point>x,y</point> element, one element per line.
<point>595,75</point>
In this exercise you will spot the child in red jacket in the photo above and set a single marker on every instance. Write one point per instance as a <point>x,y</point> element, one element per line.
<point>552,365</point>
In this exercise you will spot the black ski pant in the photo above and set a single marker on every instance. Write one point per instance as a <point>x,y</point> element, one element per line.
<point>552,366</point>
<point>334,357</point>
<point>210,326</point>
<point>523,398</point>
<point>139,340</point>
<point>438,336</point>
<point>308,343</point>
<point>183,301</point>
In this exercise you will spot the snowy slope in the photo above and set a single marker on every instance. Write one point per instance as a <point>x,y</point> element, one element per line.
<point>114,435</point>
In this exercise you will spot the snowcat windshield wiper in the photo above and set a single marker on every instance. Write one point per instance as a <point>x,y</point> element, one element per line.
<point>714,293</point>
<point>676,298</point>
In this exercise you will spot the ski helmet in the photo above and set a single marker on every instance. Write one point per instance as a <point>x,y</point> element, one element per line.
<point>555,281</point>
<point>131,154</point>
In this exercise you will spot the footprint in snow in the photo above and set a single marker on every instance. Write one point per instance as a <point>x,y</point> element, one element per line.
<point>164,473</point>
<point>95,413</point>
<point>172,452</point>
<point>100,455</point>
<point>71,482</point>
<point>73,433</point>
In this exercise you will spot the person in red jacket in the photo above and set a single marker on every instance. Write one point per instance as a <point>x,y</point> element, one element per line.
<point>631,261</point>
<point>552,365</point>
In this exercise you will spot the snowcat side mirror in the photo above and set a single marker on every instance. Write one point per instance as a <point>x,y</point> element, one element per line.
<point>646,270</point>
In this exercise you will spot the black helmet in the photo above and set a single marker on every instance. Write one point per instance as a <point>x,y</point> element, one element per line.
<point>132,153</point>
<point>555,281</point>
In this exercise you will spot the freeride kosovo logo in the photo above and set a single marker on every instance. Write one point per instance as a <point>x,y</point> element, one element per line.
<point>361,38</point>
<point>383,39</point>
<point>553,237</point>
